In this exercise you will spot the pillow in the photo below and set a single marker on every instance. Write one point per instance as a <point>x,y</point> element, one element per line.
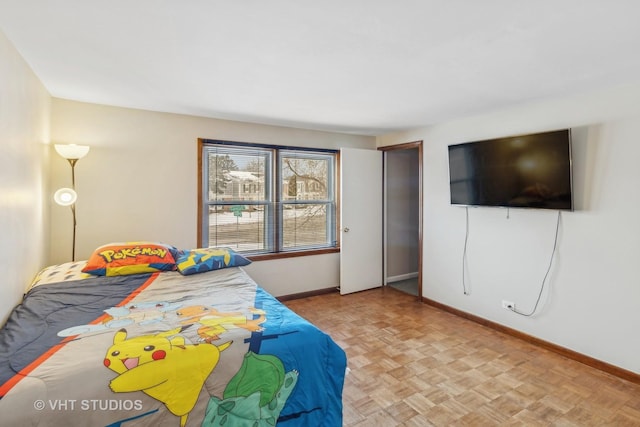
<point>121,259</point>
<point>207,259</point>
<point>60,273</point>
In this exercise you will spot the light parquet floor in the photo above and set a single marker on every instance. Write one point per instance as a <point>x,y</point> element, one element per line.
<point>415,365</point>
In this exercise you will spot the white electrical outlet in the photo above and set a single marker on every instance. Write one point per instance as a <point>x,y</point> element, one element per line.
<point>508,305</point>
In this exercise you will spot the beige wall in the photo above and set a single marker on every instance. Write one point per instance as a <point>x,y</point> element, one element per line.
<point>139,182</point>
<point>590,300</point>
<point>24,130</point>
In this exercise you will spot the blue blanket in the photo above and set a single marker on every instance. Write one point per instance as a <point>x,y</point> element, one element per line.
<point>212,349</point>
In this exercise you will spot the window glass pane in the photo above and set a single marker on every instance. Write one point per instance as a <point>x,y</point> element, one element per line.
<point>305,176</point>
<point>235,176</point>
<point>239,227</point>
<point>305,226</point>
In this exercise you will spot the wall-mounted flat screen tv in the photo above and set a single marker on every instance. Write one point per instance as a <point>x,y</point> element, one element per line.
<point>526,171</point>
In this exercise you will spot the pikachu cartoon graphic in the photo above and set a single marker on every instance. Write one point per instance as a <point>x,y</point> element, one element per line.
<point>163,366</point>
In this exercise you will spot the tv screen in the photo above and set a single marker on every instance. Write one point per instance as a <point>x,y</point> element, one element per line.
<point>527,171</point>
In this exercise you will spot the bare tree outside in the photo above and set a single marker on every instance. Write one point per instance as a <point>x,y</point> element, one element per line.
<point>306,179</point>
<point>219,168</point>
<point>311,172</point>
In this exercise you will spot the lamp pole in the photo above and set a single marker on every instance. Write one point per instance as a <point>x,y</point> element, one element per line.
<point>73,245</point>
<point>73,162</point>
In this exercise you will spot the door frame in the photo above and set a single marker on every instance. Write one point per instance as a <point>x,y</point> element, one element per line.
<point>404,146</point>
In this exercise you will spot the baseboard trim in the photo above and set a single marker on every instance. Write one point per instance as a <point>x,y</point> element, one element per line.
<point>570,354</point>
<point>400,277</point>
<point>313,293</point>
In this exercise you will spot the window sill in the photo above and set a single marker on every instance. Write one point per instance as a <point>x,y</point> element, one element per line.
<point>281,255</point>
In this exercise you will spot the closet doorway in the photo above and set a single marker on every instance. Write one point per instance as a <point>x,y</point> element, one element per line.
<point>402,223</point>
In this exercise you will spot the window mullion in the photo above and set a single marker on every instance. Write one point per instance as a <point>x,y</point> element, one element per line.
<point>277,226</point>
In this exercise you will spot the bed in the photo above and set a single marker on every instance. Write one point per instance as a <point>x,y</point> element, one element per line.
<point>163,348</point>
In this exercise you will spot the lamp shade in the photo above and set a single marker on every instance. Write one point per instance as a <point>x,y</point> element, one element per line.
<point>65,197</point>
<point>72,151</point>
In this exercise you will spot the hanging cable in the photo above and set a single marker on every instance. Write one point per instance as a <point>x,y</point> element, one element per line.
<point>464,252</point>
<point>555,245</point>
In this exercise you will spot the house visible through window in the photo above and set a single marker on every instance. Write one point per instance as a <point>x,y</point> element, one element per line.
<point>267,199</point>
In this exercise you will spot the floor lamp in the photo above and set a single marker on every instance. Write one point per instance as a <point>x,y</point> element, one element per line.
<point>68,196</point>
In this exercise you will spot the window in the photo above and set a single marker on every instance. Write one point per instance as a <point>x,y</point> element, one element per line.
<point>261,199</point>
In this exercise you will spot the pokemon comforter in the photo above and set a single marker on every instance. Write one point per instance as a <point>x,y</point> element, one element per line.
<point>162,349</point>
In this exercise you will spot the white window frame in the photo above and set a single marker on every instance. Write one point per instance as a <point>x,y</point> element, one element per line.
<point>274,201</point>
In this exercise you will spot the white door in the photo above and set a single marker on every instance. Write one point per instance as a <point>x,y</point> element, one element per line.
<point>360,219</point>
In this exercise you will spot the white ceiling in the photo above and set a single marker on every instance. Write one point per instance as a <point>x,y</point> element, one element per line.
<point>356,66</point>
